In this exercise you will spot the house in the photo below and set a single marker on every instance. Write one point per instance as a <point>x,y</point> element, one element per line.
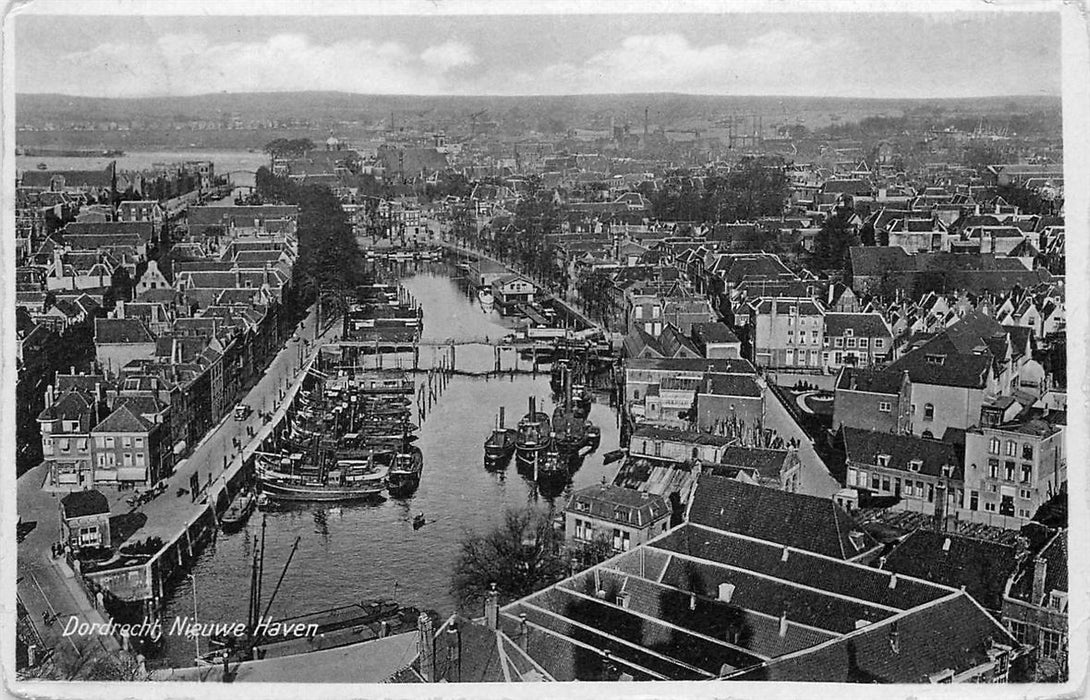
<point>872,399</point>
<point>918,234</point>
<point>85,520</point>
<point>779,469</point>
<point>141,210</point>
<point>1013,466</point>
<point>119,341</point>
<point>153,278</point>
<point>926,475</point>
<point>855,339</point>
<point>731,403</point>
<point>653,442</point>
<point>716,340</point>
<point>787,332</point>
<point>511,289</point>
<point>623,517</point>
<point>981,568</point>
<point>642,374</point>
<point>72,408</point>
<point>128,448</point>
<point>794,520</point>
<point>1035,607</point>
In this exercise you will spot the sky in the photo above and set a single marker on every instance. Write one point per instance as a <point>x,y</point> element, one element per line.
<point>894,55</point>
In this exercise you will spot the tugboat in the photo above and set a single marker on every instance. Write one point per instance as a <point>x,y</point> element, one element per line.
<point>294,480</point>
<point>239,510</point>
<point>404,475</point>
<point>500,445</point>
<point>533,438</point>
<point>570,425</point>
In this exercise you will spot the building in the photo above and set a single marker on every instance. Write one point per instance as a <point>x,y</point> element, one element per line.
<point>925,475</point>
<point>872,400</point>
<point>623,517</point>
<point>128,448</point>
<point>65,427</point>
<point>787,332</point>
<point>85,520</point>
<point>982,568</point>
<point>702,603</point>
<point>855,340</point>
<point>794,520</point>
<point>119,341</point>
<point>513,289</point>
<point>1013,467</point>
<point>716,340</point>
<point>779,469</point>
<point>731,403</point>
<point>1035,607</point>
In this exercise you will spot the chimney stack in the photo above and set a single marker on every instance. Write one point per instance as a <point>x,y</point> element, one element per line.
<point>783,624</point>
<point>1040,569</point>
<point>894,638</point>
<point>426,647</point>
<point>492,608</point>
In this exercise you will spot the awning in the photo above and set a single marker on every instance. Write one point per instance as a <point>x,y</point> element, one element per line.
<point>132,474</point>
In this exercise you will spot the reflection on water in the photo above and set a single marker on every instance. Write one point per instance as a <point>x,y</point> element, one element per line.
<point>358,551</point>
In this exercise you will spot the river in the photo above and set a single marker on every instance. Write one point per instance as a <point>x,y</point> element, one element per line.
<point>364,551</point>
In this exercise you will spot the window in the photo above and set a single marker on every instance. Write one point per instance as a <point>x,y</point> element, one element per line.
<point>109,441</point>
<point>993,446</point>
<point>849,332</point>
<point>126,459</point>
<point>929,411</point>
<point>838,342</point>
<point>993,468</point>
<point>878,342</point>
<point>126,441</point>
<point>885,484</point>
<point>1022,632</point>
<point>884,406</point>
<point>875,482</point>
<point>914,465</point>
<point>65,444</point>
<point>1008,471</point>
<point>1027,473</point>
<point>794,311</point>
<point>1011,447</point>
<point>1025,494</point>
<point>862,342</point>
<point>1027,450</point>
<point>837,357</point>
<point>639,312</point>
<point>990,507</point>
<point>89,536</point>
<point>656,311</point>
<point>974,500</point>
<point>852,476</point>
<point>621,540</point>
<point>139,442</point>
<point>896,486</point>
<point>883,460</point>
<point>930,493</point>
<point>1052,643</point>
<point>139,459</point>
<point>814,335</point>
<point>851,342</point>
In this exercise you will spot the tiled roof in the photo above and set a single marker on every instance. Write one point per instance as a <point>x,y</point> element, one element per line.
<point>619,504</point>
<point>80,503</point>
<point>767,463</point>
<point>143,229</point>
<point>864,446</point>
<point>714,332</point>
<point>953,633</point>
<point>877,381</point>
<point>121,330</point>
<point>730,385</point>
<point>122,420</point>
<point>1056,564</point>
<point>793,519</point>
<point>862,324</point>
<point>686,437</point>
<point>982,567</point>
<point>723,366</point>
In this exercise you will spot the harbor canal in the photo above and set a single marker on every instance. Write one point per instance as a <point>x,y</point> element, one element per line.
<point>353,552</point>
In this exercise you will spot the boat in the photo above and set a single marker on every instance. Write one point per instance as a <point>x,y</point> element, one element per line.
<point>404,474</point>
<point>418,521</point>
<point>570,423</point>
<point>484,295</point>
<point>500,444</point>
<point>533,437</point>
<point>294,480</point>
<point>236,514</point>
<point>594,437</point>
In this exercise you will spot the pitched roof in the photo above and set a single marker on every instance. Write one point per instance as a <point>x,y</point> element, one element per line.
<point>806,522</point>
<point>981,567</point>
<point>121,330</point>
<point>122,420</point>
<point>730,385</point>
<point>767,463</point>
<point>713,332</point>
<point>862,324</point>
<point>876,381</point>
<point>80,503</point>
<point>1054,554</point>
<point>864,446</point>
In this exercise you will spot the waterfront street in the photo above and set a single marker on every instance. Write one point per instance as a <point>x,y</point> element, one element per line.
<point>47,586</point>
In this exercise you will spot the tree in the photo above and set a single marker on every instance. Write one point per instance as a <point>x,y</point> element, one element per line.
<point>836,236</point>
<point>520,555</point>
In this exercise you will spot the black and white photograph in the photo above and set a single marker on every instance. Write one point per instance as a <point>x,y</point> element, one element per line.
<point>351,347</point>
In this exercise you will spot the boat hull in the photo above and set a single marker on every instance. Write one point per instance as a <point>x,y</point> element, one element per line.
<point>291,492</point>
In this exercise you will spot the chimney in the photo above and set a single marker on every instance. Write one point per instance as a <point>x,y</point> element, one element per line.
<point>454,652</point>
<point>892,581</point>
<point>119,309</point>
<point>1040,569</point>
<point>894,638</point>
<point>786,553</point>
<point>692,601</point>
<point>426,647</point>
<point>501,417</point>
<point>492,608</point>
<point>946,545</point>
<point>524,631</point>
<point>726,592</point>
<point>783,624</point>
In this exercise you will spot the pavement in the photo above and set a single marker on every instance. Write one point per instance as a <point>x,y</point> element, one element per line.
<point>367,662</point>
<point>48,587</point>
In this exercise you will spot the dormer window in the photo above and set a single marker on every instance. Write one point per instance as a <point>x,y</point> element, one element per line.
<point>935,359</point>
<point>882,460</point>
<point>914,465</point>
<point>848,332</point>
<point>1057,600</point>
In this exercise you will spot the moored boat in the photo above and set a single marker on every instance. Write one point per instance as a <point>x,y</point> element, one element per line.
<point>404,475</point>
<point>294,480</point>
<point>500,444</point>
<point>236,514</point>
<point>533,437</point>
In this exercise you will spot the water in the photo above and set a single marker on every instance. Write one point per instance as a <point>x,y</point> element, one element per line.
<point>136,161</point>
<point>364,551</point>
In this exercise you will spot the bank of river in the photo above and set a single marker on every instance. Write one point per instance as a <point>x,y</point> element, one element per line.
<point>365,551</point>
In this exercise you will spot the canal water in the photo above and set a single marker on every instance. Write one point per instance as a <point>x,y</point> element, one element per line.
<point>360,552</point>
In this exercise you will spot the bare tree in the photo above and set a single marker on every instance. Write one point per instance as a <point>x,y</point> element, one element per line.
<point>520,555</point>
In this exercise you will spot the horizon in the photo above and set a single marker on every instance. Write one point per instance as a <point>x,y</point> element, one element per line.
<point>905,55</point>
